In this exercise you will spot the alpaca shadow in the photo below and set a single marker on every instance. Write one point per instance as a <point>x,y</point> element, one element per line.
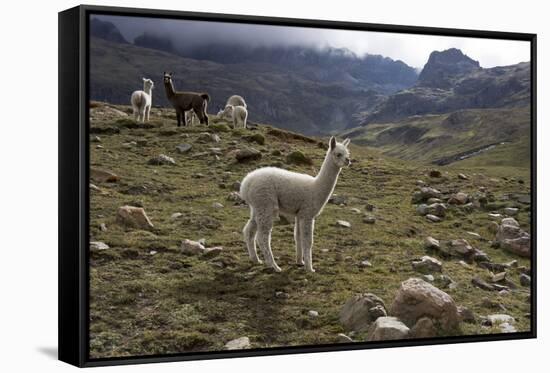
<point>49,351</point>
<point>252,298</point>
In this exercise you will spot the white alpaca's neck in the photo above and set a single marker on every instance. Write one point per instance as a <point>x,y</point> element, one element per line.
<point>148,90</point>
<point>325,181</point>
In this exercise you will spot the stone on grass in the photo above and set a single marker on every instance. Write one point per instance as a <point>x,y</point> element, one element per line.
<point>176,215</point>
<point>433,218</point>
<point>458,199</point>
<point>103,176</point>
<point>369,219</point>
<point>360,311</point>
<point>134,217</point>
<point>343,223</point>
<point>511,211</point>
<point>427,265</point>
<point>192,247</point>
<point>217,205</point>
<point>431,243</point>
<point>238,344</point>
<point>387,328</point>
<point>417,298</point>
<point>312,313</point>
<point>424,328</point>
<point>98,245</point>
<point>183,148</point>
<point>462,177</point>
<point>524,280</point>
<point>247,155</point>
<point>299,158</point>
<point>162,159</point>
<point>212,252</point>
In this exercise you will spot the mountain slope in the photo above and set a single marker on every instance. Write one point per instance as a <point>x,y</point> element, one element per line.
<point>452,81</point>
<point>274,94</point>
<point>447,138</point>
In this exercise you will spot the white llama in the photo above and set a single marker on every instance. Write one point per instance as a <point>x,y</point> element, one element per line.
<point>272,191</point>
<point>142,101</point>
<point>237,114</point>
<point>236,100</point>
<point>190,118</point>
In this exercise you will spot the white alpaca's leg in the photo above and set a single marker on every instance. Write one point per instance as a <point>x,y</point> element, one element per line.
<point>306,230</point>
<point>249,232</point>
<point>298,241</point>
<point>136,113</point>
<point>147,112</point>
<point>142,114</point>
<point>264,221</point>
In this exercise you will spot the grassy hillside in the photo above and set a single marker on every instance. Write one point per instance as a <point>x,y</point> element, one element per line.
<point>149,298</point>
<point>429,138</point>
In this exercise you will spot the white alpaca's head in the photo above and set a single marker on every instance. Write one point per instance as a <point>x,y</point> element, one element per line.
<point>148,84</point>
<point>227,112</point>
<point>338,152</point>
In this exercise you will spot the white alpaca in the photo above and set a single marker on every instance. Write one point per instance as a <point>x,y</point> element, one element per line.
<point>190,117</point>
<point>237,114</point>
<point>272,191</point>
<point>236,100</point>
<point>142,101</point>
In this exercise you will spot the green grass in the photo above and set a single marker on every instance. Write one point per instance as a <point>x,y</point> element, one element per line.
<point>144,304</point>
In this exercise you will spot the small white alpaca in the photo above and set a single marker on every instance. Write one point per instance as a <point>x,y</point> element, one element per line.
<point>236,100</point>
<point>272,191</point>
<point>190,118</point>
<point>237,114</point>
<point>142,101</point>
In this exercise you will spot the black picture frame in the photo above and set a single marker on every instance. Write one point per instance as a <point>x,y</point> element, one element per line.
<point>73,165</point>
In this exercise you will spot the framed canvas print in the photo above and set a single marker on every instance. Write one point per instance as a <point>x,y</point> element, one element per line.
<point>234,186</point>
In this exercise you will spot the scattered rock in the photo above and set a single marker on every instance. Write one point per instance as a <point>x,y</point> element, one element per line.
<point>511,211</point>
<point>431,243</point>
<point>369,219</point>
<point>459,247</point>
<point>433,218</point>
<point>424,328</point>
<point>238,344</point>
<point>281,295</point>
<point>365,263</point>
<point>466,315</point>
<point>103,176</point>
<point>208,137</point>
<point>500,318</point>
<point>493,215</point>
<point>313,313</point>
<point>434,173</point>
<point>134,217</point>
<point>162,159</point>
<point>343,223</point>
<point>184,148</point>
<point>507,328</point>
<point>444,281</point>
<point>458,199</point>
<point>387,328</point>
<point>236,186</point>
<point>176,215</point>
<point>499,277</point>
<point>337,200</point>
<point>512,238</point>
<point>235,197</point>
<point>427,265</point>
<point>258,138</point>
<point>192,247</point>
<point>462,177</point>
<point>103,227</point>
<point>217,205</point>
<point>360,311</point>
<point>247,155</point>
<point>342,338</point>
<point>524,280</point>
<point>417,298</point>
<point>98,245</point>
<point>493,227</point>
<point>212,252</point>
<point>299,158</point>
<point>477,282</point>
<point>425,194</point>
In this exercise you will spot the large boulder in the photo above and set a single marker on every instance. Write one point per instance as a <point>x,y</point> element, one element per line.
<point>387,328</point>
<point>512,238</point>
<point>134,217</point>
<point>417,298</point>
<point>361,310</point>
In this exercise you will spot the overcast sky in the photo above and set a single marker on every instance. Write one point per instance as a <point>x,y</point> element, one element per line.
<point>414,50</point>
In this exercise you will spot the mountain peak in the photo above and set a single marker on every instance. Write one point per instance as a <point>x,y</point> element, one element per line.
<point>444,66</point>
<point>106,30</point>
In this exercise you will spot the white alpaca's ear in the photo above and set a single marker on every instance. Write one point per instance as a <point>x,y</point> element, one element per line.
<point>332,143</point>
<point>144,79</point>
<point>346,142</point>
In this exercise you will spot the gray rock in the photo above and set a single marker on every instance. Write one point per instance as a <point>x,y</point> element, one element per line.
<point>437,209</point>
<point>134,217</point>
<point>422,209</point>
<point>342,338</point>
<point>427,265</point>
<point>431,243</point>
<point>500,318</point>
<point>337,200</point>
<point>103,227</point>
<point>247,155</point>
<point>433,218</point>
<point>524,280</point>
<point>236,186</point>
<point>387,328</point>
<point>192,247</point>
<point>511,211</point>
<point>369,219</point>
<point>184,148</point>
<point>365,263</point>
<point>462,177</point>
<point>343,223</point>
<point>162,159</point>
<point>477,282</point>
<point>360,311</point>
<point>176,215</point>
<point>417,298</point>
<point>238,344</point>
<point>458,199</point>
<point>98,245</point>
<point>507,328</point>
<point>312,313</point>
<point>212,252</point>
<point>217,205</point>
<point>466,315</point>
<point>424,328</point>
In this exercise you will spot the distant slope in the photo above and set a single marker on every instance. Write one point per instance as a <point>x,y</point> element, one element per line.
<point>452,81</point>
<point>276,95</point>
<point>447,138</point>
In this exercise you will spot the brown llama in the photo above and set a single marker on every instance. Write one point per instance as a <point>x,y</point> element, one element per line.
<point>184,101</point>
